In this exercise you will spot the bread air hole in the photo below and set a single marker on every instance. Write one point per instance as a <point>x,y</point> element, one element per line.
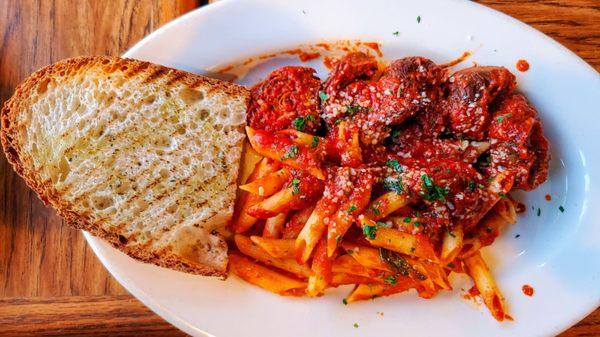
<point>172,208</point>
<point>102,202</point>
<point>204,114</point>
<point>181,129</point>
<point>63,169</point>
<point>164,173</point>
<point>149,99</point>
<point>190,96</point>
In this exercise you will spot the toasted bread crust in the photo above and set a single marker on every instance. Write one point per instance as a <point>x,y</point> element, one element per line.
<point>49,195</point>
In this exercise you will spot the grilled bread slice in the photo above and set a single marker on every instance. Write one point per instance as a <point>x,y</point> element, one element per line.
<point>143,156</point>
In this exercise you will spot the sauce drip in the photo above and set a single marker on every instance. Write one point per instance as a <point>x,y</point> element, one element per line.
<point>527,290</point>
<point>522,65</point>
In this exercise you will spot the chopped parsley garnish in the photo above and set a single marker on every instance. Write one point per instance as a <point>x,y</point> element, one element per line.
<point>500,118</point>
<point>489,229</point>
<point>291,152</point>
<point>395,134</point>
<point>295,185</point>
<point>451,234</point>
<point>393,163</point>
<point>407,219</point>
<point>299,123</point>
<point>517,236</point>
<point>539,212</point>
<point>417,223</point>
<point>338,238</point>
<point>375,210</point>
<point>391,280</point>
<point>393,184</point>
<point>315,142</point>
<point>356,325</point>
<point>351,109</point>
<point>431,191</point>
<point>472,185</point>
<point>451,265</point>
<point>370,231</point>
<point>419,19</point>
<point>396,33</point>
<point>351,209</point>
<point>350,251</point>
<point>338,121</point>
<point>323,96</point>
<point>561,209</point>
<point>345,302</point>
<point>502,195</point>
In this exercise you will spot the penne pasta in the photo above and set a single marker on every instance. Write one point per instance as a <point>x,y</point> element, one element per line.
<point>247,247</point>
<point>485,283</point>
<point>452,244</point>
<point>274,226</point>
<point>310,234</point>
<point>338,279</point>
<point>264,277</point>
<point>346,264</point>
<point>405,243</point>
<point>273,205</point>
<point>386,205</point>
<point>321,268</point>
<point>268,184</point>
<point>296,222</point>
<point>242,221</point>
<point>278,248</point>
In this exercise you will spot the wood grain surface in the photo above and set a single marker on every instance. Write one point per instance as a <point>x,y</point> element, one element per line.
<point>50,281</point>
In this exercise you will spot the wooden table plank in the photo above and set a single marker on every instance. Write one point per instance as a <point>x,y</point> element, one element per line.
<point>50,281</point>
<point>77,315</point>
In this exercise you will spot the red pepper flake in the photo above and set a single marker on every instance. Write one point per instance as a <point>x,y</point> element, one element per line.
<point>527,290</point>
<point>548,197</point>
<point>522,65</point>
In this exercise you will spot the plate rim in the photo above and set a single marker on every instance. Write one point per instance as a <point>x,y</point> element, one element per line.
<point>182,324</point>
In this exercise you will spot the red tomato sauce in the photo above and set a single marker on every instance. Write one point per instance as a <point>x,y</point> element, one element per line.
<point>527,290</point>
<point>522,65</point>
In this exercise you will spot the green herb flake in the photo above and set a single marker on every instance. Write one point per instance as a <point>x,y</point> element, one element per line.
<point>407,219</point>
<point>561,209</point>
<point>370,232</point>
<point>500,118</point>
<point>351,209</point>
<point>393,184</point>
<point>451,234</point>
<point>394,164</point>
<point>431,191</point>
<point>299,123</point>
<point>375,210</point>
<point>315,142</point>
<point>322,96</point>
<point>350,251</point>
<point>344,301</point>
<point>419,19</point>
<point>338,238</point>
<point>356,325</point>
<point>295,185</point>
<point>417,223</point>
<point>472,185</point>
<point>517,236</point>
<point>451,265</point>
<point>396,33</point>
<point>539,212</point>
<point>351,109</point>
<point>391,280</point>
<point>502,195</point>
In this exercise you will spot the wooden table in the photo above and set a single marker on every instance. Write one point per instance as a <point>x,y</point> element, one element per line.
<point>50,281</point>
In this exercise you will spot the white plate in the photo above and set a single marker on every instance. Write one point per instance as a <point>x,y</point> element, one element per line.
<point>557,253</point>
